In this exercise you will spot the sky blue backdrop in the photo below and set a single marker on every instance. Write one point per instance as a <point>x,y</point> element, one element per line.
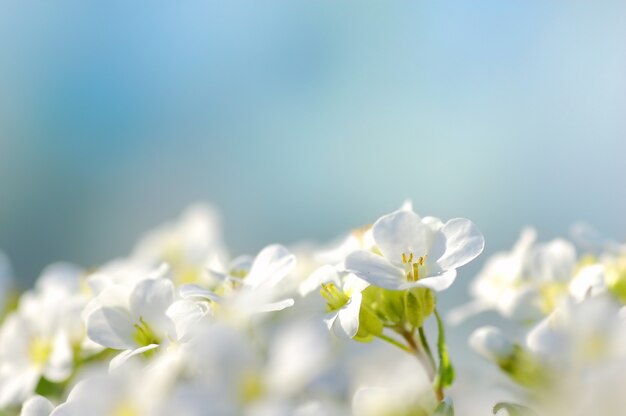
<point>304,119</point>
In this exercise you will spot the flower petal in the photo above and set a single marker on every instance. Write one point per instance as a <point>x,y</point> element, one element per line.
<point>401,232</point>
<point>16,386</point>
<point>353,284</point>
<point>274,306</point>
<point>195,291</point>
<point>324,274</point>
<point>330,319</point>
<point>349,315</point>
<point>37,406</point>
<point>270,266</point>
<point>375,270</point>
<point>150,299</point>
<point>121,358</point>
<point>186,314</point>
<point>463,242</point>
<point>61,360</point>
<point>437,283</point>
<point>111,327</point>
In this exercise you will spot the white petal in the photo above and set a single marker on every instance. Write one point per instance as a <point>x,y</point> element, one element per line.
<point>353,284</point>
<point>324,274</point>
<point>150,299</point>
<point>121,358</point>
<point>16,387</point>
<point>37,406</point>
<point>401,232</point>
<point>195,291</point>
<point>274,306</point>
<point>407,205</point>
<point>270,266</point>
<point>111,327</point>
<point>436,283</point>
<point>61,361</point>
<point>349,315</point>
<point>375,270</point>
<point>554,261</point>
<point>463,243</point>
<point>185,314</point>
<point>330,319</point>
<point>590,281</point>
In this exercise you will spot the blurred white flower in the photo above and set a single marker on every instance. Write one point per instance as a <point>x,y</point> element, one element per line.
<point>394,386</point>
<point>253,287</point>
<point>39,338</point>
<point>189,245</point>
<point>524,284</point>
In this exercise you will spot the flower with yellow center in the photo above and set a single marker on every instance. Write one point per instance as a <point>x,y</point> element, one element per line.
<point>416,252</point>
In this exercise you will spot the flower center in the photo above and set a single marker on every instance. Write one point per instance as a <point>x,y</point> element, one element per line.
<point>144,335</point>
<point>39,350</point>
<point>125,409</point>
<point>412,265</point>
<point>336,298</point>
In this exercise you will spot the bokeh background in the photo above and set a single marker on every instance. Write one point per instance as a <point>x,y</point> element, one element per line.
<point>301,120</point>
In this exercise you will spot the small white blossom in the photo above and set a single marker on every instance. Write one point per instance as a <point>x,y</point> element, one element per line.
<point>416,252</point>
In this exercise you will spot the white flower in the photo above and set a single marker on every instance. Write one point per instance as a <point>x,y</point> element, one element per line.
<point>141,319</point>
<point>416,252</point>
<point>391,385</point>
<point>525,283</point>
<point>344,297</point>
<point>252,291</point>
<point>39,338</point>
<point>577,334</point>
<point>188,245</point>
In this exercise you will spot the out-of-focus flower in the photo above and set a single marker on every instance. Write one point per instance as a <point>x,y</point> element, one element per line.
<point>526,283</point>
<point>189,246</point>
<point>393,386</point>
<point>40,337</point>
<point>413,252</point>
<point>251,287</point>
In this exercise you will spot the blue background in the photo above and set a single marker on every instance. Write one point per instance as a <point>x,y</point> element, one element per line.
<point>301,120</point>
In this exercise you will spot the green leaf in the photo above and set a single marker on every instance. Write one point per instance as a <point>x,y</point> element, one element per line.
<point>445,375</point>
<point>513,409</point>
<point>445,408</point>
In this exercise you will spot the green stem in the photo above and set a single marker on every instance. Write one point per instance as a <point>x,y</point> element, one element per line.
<point>395,342</point>
<point>424,341</point>
<point>445,374</point>
<point>416,349</point>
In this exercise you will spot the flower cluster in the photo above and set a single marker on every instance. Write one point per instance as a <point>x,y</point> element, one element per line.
<point>180,327</point>
<point>570,307</point>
